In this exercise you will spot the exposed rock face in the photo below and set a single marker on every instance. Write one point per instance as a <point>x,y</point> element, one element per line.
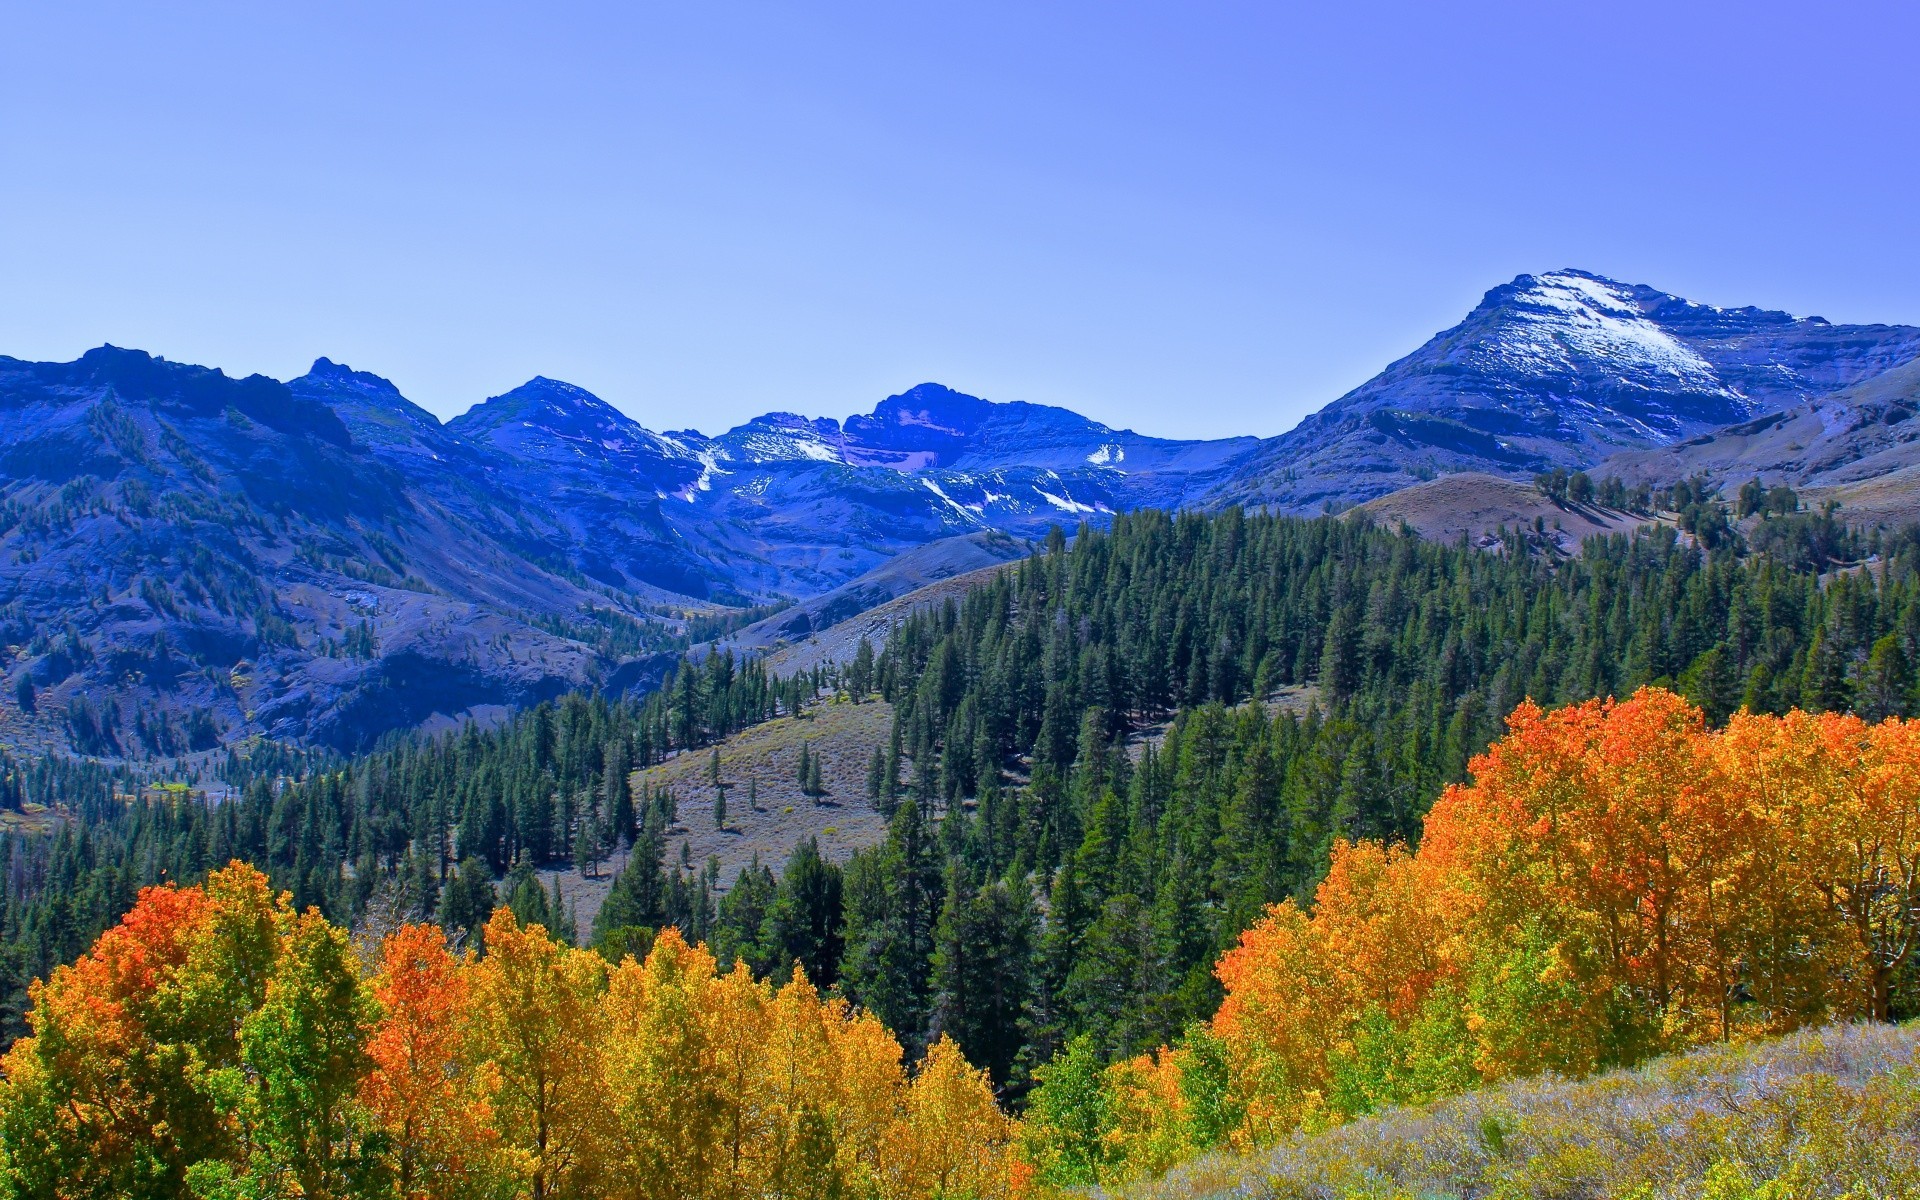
<point>1560,370</point>
<point>188,560</point>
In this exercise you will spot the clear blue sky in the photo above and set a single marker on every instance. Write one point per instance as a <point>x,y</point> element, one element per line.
<point>1188,218</point>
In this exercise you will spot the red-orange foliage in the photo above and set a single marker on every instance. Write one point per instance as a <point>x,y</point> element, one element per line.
<point>95,1025</point>
<point>125,1039</point>
<point>416,1089</point>
<point>1616,881</point>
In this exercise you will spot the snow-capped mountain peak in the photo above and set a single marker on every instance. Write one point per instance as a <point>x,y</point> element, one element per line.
<point>1560,321</point>
<point>1560,369</point>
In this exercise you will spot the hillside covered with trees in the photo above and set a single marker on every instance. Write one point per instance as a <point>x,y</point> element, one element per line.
<point>1122,809</point>
<point>1618,881</point>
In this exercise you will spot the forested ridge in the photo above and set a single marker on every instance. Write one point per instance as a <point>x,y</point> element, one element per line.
<point>1617,882</point>
<point>1051,872</point>
<point>393,829</point>
<point>1094,897</point>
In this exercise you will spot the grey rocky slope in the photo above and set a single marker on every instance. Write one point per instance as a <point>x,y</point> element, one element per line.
<point>189,561</point>
<point>1561,369</point>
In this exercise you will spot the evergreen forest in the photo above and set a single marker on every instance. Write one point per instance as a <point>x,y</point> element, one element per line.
<point>1106,767</point>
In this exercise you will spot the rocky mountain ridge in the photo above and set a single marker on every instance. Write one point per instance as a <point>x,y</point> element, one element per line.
<point>189,561</point>
<point>1561,369</point>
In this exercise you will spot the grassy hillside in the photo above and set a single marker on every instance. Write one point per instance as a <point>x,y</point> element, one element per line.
<point>1479,505</point>
<point>841,642</point>
<point>1833,1112</point>
<point>906,572</point>
<point>764,759</point>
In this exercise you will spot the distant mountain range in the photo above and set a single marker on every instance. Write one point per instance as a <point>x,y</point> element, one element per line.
<point>189,560</point>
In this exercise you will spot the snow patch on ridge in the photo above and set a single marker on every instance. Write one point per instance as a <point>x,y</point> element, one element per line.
<point>787,447</point>
<point>1565,318</point>
<point>709,467</point>
<point>935,488</point>
<point>1068,504</point>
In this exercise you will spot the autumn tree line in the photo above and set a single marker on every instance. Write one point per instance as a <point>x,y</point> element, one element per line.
<point>1088,805</point>
<point>403,830</point>
<point>1617,880</point>
<point>218,1044</point>
<point>1091,807</point>
<point>1011,710</point>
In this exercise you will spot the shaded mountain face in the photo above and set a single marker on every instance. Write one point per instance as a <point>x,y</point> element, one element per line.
<point>933,463</point>
<point>1559,370</point>
<point>931,426</point>
<point>787,505</point>
<point>188,560</point>
<point>1859,446</point>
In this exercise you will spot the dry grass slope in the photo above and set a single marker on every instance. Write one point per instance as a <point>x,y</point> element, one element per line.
<point>843,735</point>
<point>1829,1113</point>
<point>1478,505</point>
<point>840,643</point>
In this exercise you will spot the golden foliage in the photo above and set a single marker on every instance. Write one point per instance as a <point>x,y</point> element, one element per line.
<point>533,1071</point>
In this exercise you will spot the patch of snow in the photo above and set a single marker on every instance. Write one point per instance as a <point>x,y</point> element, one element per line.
<point>709,467</point>
<point>779,447</point>
<point>951,502</point>
<point>673,447</point>
<point>1067,504</point>
<point>1566,318</point>
<point>1110,453</point>
<point>579,397</point>
<point>923,418</point>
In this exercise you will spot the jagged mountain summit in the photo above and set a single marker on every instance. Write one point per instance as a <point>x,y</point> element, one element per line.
<point>926,464</point>
<point>188,560</point>
<point>789,505</point>
<point>1560,369</point>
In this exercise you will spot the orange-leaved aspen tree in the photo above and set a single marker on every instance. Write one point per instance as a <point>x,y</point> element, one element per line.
<point>869,1082</point>
<point>803,1104</point>
<point>952,1138</point>
<point>1781,771</point>
<point>115,1107</point>
<point>107,1095</point>
<point>1149,1114</point>
<point>1865,840</point>
<point>418,1089</point>
<point>1892,796</point>
<point>1277,1021</point>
